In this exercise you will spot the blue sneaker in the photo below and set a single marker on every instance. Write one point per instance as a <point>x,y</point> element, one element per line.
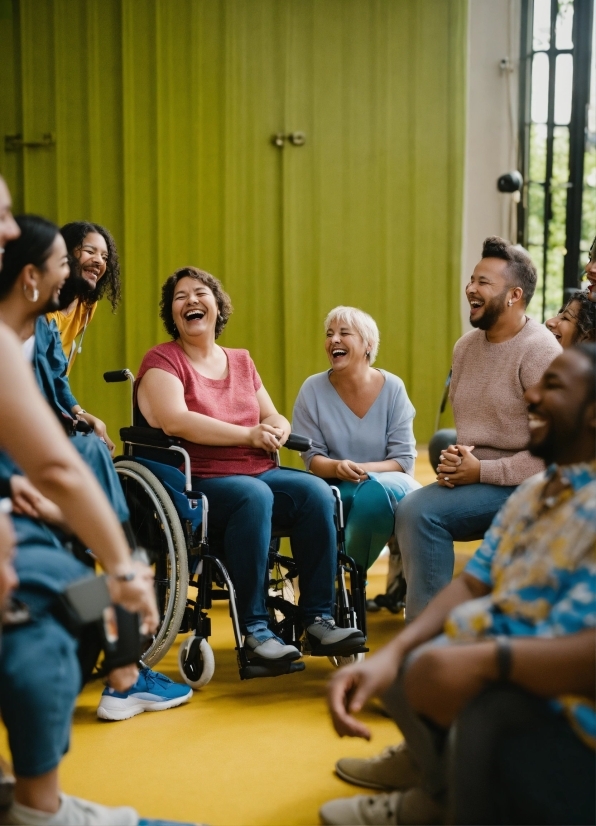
<point>151,692</point>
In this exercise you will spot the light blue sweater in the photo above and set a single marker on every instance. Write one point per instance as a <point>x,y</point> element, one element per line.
<point>384,433</point>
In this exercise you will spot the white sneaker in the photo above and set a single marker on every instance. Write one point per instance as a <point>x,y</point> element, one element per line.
<point>414,807</point>
<point>73,811</point>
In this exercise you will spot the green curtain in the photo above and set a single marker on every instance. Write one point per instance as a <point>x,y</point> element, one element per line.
<point>162,113</point>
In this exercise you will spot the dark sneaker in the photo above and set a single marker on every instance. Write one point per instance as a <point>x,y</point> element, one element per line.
<point>151,692</point>
<point>271,649</point>
<point>327,639</point>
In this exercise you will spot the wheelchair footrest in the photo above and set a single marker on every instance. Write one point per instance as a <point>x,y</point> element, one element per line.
<point>338,651</point>
<point>269,668</point>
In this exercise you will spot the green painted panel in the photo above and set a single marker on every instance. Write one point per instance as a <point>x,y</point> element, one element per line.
<point>163,112</point>
<point>372,202</point>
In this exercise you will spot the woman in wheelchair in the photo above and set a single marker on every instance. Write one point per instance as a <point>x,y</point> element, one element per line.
<point>212,398</point>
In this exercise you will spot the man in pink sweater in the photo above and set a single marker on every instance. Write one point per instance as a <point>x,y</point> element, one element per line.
<point>493,365</point>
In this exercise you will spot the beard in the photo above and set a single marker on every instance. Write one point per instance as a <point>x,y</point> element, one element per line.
<point>548,449</point>
<point>76,287</point>
<point>493,310</point>
<point>53,304</point>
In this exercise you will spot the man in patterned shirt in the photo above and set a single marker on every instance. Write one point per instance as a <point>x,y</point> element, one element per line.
<point>504,657</point>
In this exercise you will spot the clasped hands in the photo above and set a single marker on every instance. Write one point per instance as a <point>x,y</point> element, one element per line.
<point>349,471</point>
<point>458,467</point>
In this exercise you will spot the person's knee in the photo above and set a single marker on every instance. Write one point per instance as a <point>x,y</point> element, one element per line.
<point>408,515</point>
<point>254,497</point>
<point>497,705</point>
<point>318,494</point>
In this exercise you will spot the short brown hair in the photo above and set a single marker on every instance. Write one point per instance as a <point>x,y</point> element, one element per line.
<point>224,304</point>
<point>520,269</point>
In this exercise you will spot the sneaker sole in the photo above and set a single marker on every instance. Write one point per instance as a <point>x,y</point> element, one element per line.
<point>354,644</point>
<point>253,656</point>
<point>115,714</point>
<point>365,784</point>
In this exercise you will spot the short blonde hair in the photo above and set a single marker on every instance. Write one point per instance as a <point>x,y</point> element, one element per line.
<point>362,322</point>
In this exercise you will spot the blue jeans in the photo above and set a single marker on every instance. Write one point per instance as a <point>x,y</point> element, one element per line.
<point>242,510</point>
<point>39,668</point>
<point>96,454</point>
<point>428,521</point>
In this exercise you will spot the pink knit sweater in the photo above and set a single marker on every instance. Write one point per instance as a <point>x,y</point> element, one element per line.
<point>487,396</point>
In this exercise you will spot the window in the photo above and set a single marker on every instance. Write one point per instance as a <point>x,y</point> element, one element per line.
<point>557,212</point>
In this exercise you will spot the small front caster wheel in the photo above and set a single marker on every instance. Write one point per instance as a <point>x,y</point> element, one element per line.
<point>351,658</point>
<point>196,662</point>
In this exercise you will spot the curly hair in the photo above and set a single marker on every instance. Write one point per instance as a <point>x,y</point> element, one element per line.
<point>224,304</point>
<point>109,285</point>
<point>520,268</point>
<point>585,317</point>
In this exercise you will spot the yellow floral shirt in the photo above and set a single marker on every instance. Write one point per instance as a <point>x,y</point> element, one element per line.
<point>539,559</point>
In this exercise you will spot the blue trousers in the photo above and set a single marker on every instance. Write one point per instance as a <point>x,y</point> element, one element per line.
<point>96,454</point>
<point>428,521</point>
<point>39,667</point>
<point>242,510</point>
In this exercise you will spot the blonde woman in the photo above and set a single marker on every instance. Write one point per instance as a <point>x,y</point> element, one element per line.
<point>360,421</point>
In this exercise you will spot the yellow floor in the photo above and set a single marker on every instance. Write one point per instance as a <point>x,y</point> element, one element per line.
<point>259,752</point>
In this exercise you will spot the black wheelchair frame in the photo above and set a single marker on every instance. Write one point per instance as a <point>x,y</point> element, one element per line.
<point>199,569</point>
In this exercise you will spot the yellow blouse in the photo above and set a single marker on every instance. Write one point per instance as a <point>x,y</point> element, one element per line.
<point>70,326</point>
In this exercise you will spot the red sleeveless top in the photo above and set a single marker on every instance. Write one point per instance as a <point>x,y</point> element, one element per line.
<point>231,400</point>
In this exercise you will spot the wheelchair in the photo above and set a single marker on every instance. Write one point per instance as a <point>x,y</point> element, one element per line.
<point>170,522</point>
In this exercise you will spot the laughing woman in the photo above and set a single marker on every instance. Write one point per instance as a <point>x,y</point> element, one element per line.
<point>575,323</point>
<point>213,399</point>
<point>360,421</point>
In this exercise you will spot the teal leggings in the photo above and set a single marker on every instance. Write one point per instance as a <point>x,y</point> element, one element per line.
<point>369,515</point>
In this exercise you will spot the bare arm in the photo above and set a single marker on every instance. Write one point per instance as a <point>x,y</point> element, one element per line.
<point>442,681</point>
<point>271,417</point>
<point>352,686</point>
<point>348,470</point>
<point>386,466</point>
<point>162,403</point>
<point>32,436</point>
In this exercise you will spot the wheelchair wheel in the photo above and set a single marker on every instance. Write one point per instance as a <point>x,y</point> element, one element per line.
<point>352,658</point>
<point>157,529</point>
<point>196,662</point>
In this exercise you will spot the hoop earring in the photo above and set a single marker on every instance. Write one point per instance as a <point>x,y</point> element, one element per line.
<point>35,294</point>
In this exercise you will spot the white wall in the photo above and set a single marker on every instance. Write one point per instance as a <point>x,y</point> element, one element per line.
<point>491,129</point>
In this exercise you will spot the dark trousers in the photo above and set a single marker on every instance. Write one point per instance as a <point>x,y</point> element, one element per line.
<point>515,760</point>
<point>509,758</point>
<point>242,510</point>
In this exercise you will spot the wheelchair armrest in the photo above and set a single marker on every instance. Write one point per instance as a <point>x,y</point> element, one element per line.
<point>299,443</point>
<point>149,436</point>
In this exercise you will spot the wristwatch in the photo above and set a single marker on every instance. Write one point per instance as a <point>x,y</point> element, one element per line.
<point>128,577</point>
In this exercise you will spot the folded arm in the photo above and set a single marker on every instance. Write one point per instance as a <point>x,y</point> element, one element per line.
<point>162,403</point>
<point>442,681</point>
<point>353,685</point>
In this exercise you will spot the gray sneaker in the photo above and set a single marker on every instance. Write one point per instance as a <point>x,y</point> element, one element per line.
<point>271,649</point>
<point>327,639</point>
<point>414,807</point>
<point>73,811</point>
<point>392,769</point>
